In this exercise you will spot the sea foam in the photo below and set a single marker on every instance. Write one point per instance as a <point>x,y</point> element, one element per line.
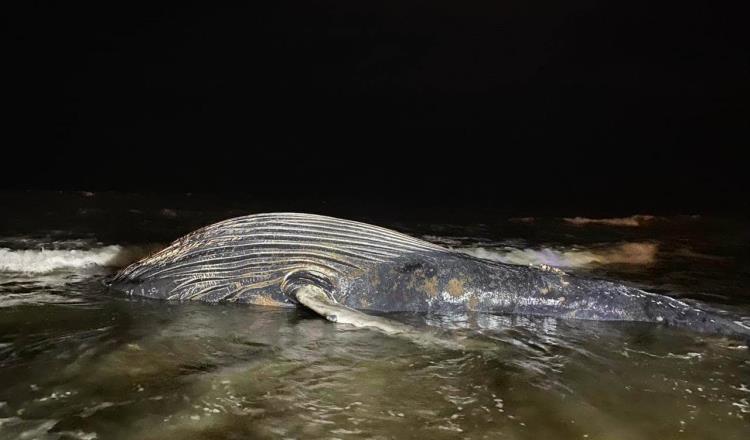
<point>48,260</point>
<point>632,221</point>
<point>625,253</point>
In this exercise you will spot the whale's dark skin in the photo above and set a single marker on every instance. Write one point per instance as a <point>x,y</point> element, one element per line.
<point>264,259</point>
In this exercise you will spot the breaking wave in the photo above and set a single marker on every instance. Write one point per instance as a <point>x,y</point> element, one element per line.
<point>625,253</point>
<point>42,261</point>
<point>632,221</point>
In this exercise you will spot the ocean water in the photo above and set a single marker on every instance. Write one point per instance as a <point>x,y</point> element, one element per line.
<point>80,362</point>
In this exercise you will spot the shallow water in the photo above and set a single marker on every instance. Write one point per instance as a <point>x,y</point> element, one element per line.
<point>77,361</point>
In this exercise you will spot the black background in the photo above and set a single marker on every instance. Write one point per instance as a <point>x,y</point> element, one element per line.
<point>627,106</point>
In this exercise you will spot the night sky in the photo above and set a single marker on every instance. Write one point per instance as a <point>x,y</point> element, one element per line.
<point>614,105</point>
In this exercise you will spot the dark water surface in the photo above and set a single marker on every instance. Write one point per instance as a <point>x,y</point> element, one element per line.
<point>79,362</point>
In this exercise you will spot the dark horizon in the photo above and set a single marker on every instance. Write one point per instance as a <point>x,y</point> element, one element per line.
<point>604,107</point>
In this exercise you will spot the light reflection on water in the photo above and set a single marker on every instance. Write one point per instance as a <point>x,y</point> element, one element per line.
<point>123,369</point>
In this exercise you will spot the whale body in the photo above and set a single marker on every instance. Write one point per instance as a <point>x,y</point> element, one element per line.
<point>270,259</point>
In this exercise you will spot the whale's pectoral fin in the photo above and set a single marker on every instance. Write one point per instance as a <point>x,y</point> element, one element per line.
<point>316,299</point>
<point>312,291</point>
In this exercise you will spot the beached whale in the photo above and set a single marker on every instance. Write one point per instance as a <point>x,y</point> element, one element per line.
<point>342,269</point>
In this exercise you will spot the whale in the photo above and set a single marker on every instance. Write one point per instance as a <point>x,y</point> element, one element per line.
<point>353,272</point>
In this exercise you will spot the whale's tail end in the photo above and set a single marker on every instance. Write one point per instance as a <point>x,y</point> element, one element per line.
<point>704,320</point>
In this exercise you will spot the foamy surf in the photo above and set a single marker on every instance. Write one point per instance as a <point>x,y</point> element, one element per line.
<point>631,221</point>
<point>43,260</point>
<point>625,253</point>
